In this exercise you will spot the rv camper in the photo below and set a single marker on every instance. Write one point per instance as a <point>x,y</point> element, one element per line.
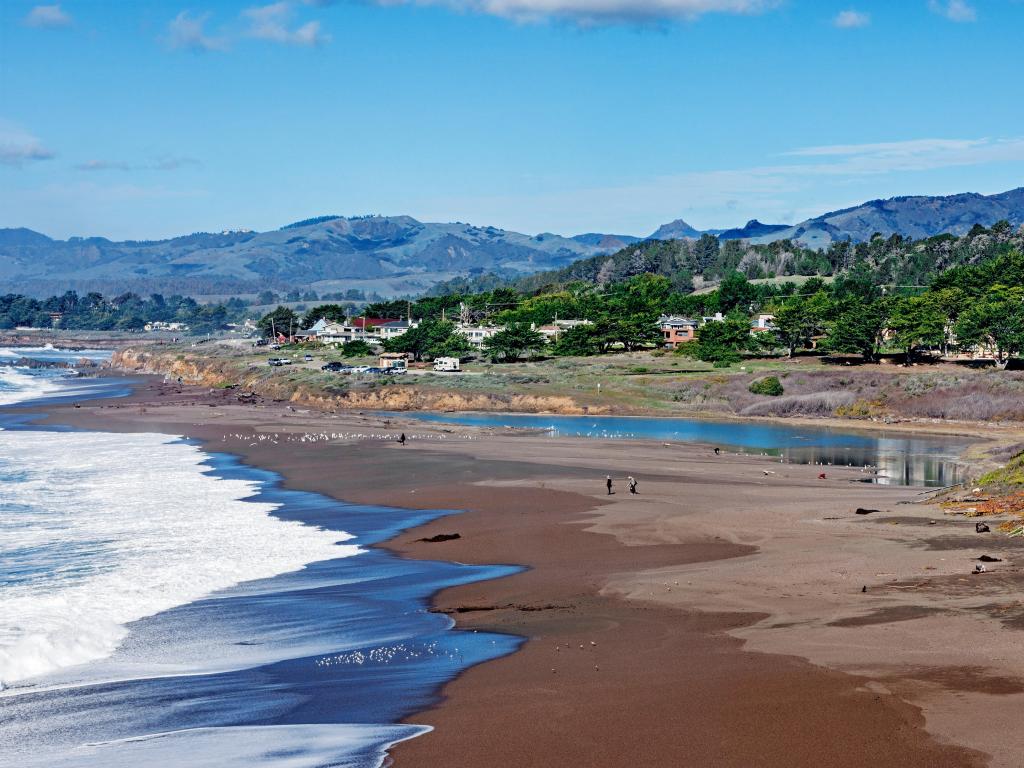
<point>446,364</point>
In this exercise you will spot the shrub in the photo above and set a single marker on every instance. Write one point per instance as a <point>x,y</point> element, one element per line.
<point>814,404</point>
<point>769,385</point>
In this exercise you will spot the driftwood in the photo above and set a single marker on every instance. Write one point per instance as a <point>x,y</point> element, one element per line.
<point>441,537</point>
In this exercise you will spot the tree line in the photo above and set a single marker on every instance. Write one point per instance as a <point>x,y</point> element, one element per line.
<point>125,312</point>
<point>966,307</point>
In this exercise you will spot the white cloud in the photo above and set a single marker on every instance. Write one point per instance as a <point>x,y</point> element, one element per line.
<point>47,16</point>
<point>162,163</point>
<point>954,10</point>
<point>598,12</point>
<point>187,32</point>
<point>172,162</point>
<point>851,19</point>
<point>18,146</point>
<point>273,22</point>
<point>103,165</point>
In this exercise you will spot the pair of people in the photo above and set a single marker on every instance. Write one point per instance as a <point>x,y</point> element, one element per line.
<point>630,480</point>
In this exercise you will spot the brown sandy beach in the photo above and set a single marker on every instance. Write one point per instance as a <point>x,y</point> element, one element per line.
<point>717,618</point>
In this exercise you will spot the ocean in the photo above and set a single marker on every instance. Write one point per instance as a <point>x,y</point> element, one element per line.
<point>164,605</point>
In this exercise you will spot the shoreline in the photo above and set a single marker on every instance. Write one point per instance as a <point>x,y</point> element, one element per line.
<point>972,429</point>
<point>555,500</point>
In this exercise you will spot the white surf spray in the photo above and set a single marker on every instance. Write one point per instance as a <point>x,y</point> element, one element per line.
<point>98,530</point>
<point>17,385</point>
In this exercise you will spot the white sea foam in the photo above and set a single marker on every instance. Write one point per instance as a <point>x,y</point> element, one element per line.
<point>98,530</point>
<point>283,746</point>
<point>17,386</point>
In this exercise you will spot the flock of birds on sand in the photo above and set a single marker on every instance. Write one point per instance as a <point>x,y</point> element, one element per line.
<point>275,438</point>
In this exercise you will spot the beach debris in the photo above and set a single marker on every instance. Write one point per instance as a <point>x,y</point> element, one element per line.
<point>981,528</point>
<point>863,511</point>
<point>821,476</point>
<point>441,537</point>
<point>989,559</point>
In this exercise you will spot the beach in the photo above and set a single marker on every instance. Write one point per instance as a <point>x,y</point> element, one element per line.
<point>736,611</point>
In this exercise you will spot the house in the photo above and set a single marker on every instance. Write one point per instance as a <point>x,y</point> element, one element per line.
<point>478,334</point>
<point>718,317</point>
<point>676,330</point>
<point>333,333</point>
<point>395,328</point>
<point>369,325</point>
<point>355,329</point>
<point>313,332</point>
<point>159,325</point>
<point>552,331</point>
<point>762,323</point>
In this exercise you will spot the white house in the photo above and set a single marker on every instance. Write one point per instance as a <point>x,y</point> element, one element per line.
<point>477,334</point>
<point>395,328</point>
<point>159,325</point>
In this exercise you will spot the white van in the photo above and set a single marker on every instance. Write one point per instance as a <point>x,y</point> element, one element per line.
<point>447,364</point>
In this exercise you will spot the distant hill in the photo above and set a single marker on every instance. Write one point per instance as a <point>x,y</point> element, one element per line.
<point>398,255</point>
<point>916,217</point>
<point>606,242</point>
<point>675,230</point>
<point>389,255</point>
<point>752,229</point>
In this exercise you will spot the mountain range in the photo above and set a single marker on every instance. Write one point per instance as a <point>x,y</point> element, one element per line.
<point>398,255</point>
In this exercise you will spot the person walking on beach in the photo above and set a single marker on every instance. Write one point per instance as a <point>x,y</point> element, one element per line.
<point>401,439</point>
<point>717,451</point>
<point>608,484</point>
<point>632,485</point>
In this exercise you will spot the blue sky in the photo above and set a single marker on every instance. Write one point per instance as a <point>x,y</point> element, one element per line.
<point>150,119</point>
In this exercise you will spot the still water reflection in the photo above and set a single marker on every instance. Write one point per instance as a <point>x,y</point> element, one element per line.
<point>899,459</point>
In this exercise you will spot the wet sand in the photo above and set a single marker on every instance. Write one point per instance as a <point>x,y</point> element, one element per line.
<point>720,612</point>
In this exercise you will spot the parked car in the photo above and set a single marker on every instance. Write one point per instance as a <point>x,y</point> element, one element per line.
<point>279,361</point>
<point>374,369</point>
<point>361,369</point>
<point>275,346</point>
<point>394,371</point>
<point>335,367</point>
<point>308,358</point>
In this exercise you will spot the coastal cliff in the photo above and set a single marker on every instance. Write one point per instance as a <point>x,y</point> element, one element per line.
<point>307,387</point>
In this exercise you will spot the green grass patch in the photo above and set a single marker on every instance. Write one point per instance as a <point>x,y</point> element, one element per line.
<point>1010,475</point>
